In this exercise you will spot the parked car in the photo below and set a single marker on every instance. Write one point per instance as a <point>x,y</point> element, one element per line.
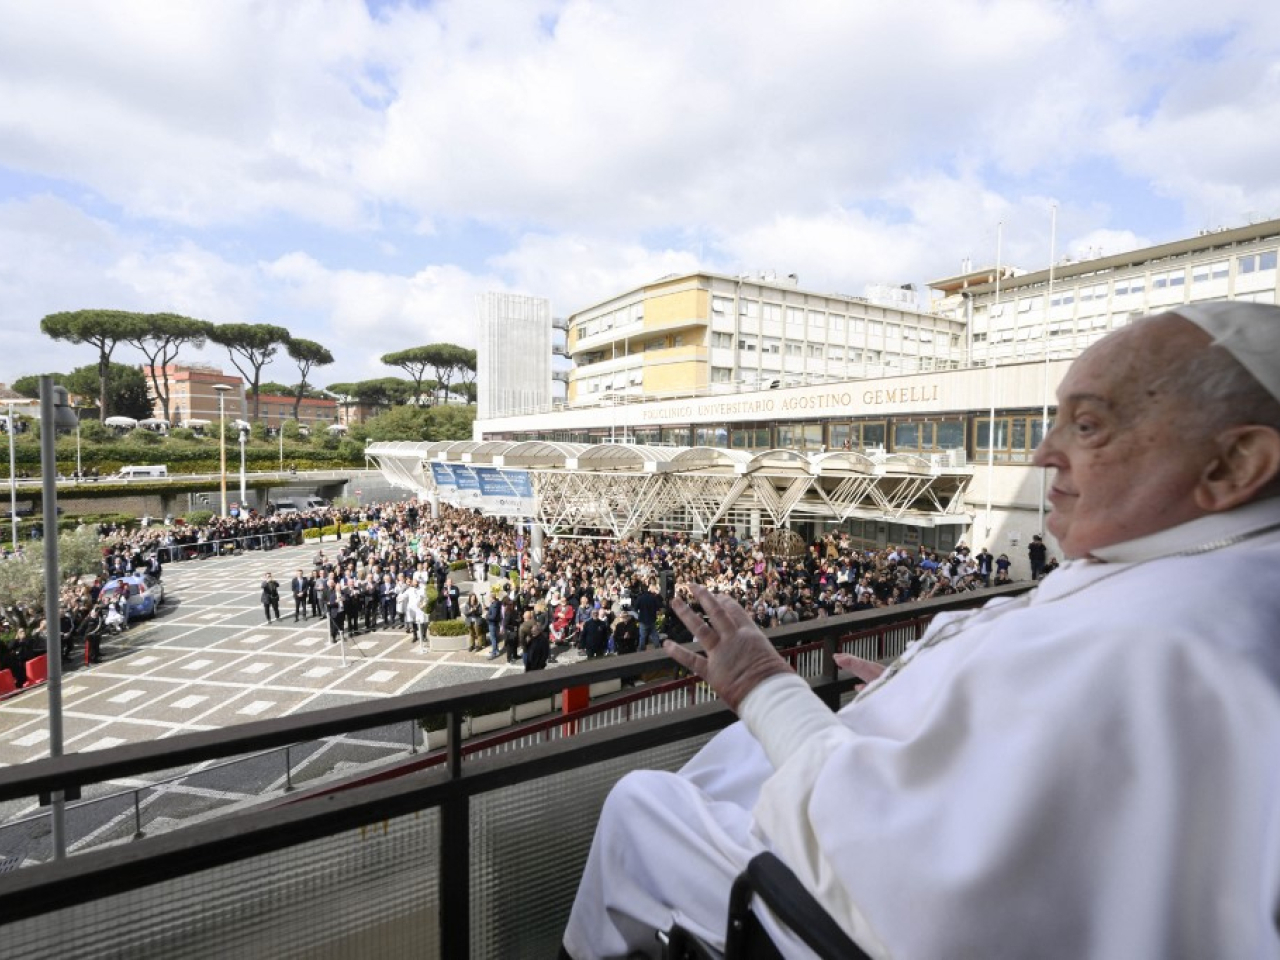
<point>145,593</point>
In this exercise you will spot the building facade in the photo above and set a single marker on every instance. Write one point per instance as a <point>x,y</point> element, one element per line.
<point>192,394</point>
<point>709,333</point>
<point>513,359</point>
<point>1062,310</point>
<point>974,381</point>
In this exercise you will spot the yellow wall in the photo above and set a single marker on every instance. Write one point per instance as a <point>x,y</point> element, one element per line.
<point>667,377</point>
<point>674,307</point>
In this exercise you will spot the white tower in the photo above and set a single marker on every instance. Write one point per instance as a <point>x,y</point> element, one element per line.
<point>513,360</point>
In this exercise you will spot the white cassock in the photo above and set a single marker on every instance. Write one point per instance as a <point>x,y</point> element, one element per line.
<point>1090,770</point>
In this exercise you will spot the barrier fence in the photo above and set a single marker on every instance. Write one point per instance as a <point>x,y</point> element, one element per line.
<point>133,813</point>
<point>440,863</point>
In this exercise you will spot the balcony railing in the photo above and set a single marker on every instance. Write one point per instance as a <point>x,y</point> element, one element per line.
<point>478,858</point>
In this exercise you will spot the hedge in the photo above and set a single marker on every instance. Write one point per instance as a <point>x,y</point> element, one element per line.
<point>448,628</point>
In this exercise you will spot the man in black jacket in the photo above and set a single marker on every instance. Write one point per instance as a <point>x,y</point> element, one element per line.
<point>270,597</point>
<point>595,635</point>
<point>299,585</point>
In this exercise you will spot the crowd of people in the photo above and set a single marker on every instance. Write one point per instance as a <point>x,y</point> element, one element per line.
<point>601,595</point>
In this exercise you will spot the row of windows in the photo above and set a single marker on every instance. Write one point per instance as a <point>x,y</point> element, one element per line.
<point>1127,286</point>
<point>1016,436</point>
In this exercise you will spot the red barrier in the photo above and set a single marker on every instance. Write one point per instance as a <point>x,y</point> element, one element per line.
<point>38,669</point>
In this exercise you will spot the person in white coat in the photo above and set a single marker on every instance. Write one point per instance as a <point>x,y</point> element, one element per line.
<point>415,614</point>
<point>1091,769</point>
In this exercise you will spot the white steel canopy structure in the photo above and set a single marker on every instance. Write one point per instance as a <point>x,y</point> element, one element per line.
<point>626,489</point>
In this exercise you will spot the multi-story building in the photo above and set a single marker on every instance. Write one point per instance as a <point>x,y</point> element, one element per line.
<point>1066,307</point>
<point>973,382</point>
<point>192,396</point>
<point>513,360</point>
<point>710,333</point>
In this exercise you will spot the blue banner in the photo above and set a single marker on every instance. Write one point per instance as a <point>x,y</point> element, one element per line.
<point>442,473</point>
<point>504,483</point>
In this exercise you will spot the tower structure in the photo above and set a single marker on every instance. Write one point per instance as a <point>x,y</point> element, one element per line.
<point>513,359</point>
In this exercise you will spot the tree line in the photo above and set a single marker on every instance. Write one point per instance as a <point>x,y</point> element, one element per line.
<point>159,337</point>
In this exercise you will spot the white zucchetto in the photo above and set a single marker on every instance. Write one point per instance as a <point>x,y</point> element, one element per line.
<point>1250,332</point>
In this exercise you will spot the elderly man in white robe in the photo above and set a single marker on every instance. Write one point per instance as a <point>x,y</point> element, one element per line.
<point>1091,769</point>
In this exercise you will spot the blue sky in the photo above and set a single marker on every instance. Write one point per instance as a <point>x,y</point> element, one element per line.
<point>359,172</point>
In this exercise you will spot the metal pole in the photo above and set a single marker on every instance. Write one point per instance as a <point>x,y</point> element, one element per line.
<point>79,470</point>
<point>222,448</point>
<point>13,486</point>
<point>244,497</point>
<point>991,362</point>
<point>52,614</point>
<point>1044,424</point>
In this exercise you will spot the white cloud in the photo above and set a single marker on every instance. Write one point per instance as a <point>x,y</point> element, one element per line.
<point>180,157</point>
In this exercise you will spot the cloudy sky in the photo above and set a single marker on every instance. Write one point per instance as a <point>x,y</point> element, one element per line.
<point>359,171</point>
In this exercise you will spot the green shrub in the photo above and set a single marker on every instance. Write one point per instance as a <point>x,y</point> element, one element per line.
<point>198,518</point>
<point>144,438</point>
<point>449,628</point>
<point>495,570</point>
<point>329,531</point>
<point>459,565</point>
<point>311,533</point>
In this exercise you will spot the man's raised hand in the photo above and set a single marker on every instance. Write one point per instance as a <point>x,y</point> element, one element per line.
<point>738,655</point>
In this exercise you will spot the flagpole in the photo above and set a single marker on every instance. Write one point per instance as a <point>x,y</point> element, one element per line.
<point>1044,413</point>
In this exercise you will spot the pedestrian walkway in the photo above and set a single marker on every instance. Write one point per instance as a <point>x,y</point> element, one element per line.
<point>209,660</point>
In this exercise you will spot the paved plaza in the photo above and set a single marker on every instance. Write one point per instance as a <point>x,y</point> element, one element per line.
<point>208,661</point>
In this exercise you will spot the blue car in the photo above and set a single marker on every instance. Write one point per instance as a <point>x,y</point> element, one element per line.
<point>145,594</point>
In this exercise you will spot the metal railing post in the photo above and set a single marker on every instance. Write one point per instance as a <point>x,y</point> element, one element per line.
<point>137,818</point>
<point>413,737</point>
<point>454,881</point>
<point>288,769</point>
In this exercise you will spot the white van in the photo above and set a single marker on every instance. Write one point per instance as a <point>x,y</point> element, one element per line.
<point>142,472</point>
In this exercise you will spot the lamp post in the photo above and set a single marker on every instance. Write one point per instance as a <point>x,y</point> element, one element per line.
<point>244,497</point>
<point>54,413</point>
<point>13,483</point>
<point>222,389</point>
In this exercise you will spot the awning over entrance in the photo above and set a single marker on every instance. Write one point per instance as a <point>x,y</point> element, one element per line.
<point>627,489</point>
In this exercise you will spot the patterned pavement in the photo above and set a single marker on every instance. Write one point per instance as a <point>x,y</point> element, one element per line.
<point>209,660</point>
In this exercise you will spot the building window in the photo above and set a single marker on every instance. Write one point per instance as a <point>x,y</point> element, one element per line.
<point>1204,272</point>
<point>815,351</point>
<point>748,344</point>
<point>1016,438</point>
<point>773,311</point>
<point>750,438</point>
<point>722,339</point>
<point>721,304</point>
<point>711,436</point>
<point>770,345</point>
<point>793,349</point>
<point>802,437</point>
<point>858,435</point>
<point>1063,299</point>
<point>1257,262</point>
<point>748,308</point>
<point>917,436</point>
<point>721,375</point>
<point>1170,278</point>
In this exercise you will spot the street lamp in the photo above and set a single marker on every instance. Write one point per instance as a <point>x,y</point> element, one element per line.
<point>222,389</point>
<point>13,481</point>
<point>244,497</point>
<point>54,413</point>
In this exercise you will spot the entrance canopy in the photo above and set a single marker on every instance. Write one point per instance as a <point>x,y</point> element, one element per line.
<point>628,489</point>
